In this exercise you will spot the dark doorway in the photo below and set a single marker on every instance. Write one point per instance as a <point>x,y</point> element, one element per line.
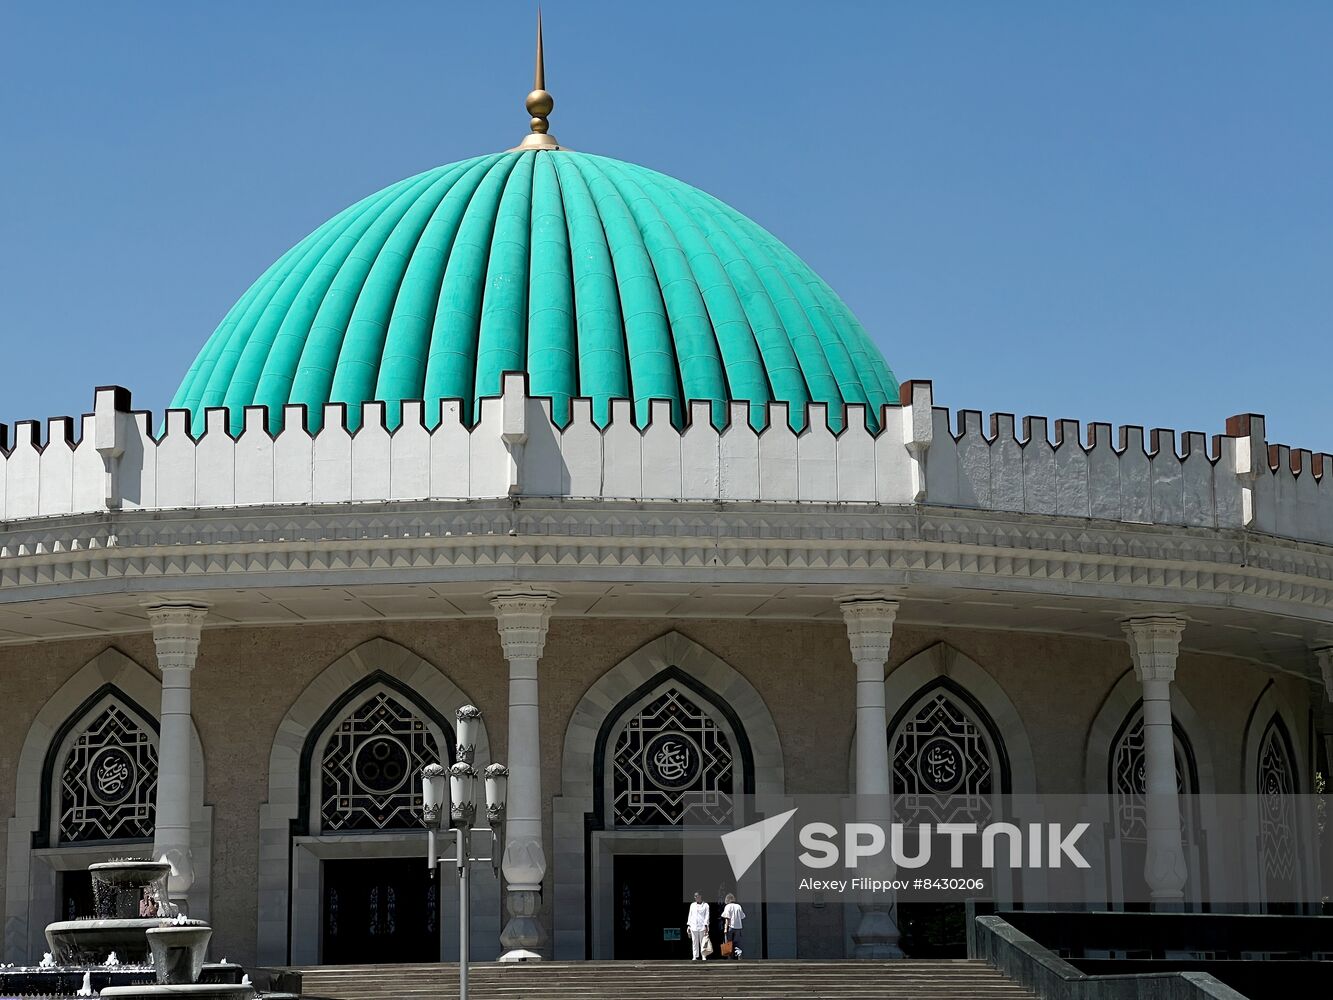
<point>651,907</point>
<point>933,930</point>
<point>76,894</point>
<point>380,911</point>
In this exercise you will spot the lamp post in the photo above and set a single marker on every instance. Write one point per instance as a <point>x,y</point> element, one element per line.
<point>461,802</point>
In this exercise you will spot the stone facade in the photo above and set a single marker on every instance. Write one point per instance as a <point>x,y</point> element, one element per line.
<point>248,678</point>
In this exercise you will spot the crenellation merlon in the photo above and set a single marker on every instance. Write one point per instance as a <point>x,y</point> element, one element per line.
<point>917,454</point>
<point>1067,431</point>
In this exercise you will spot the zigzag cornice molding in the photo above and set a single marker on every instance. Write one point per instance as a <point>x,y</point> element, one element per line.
<point>600,540</point>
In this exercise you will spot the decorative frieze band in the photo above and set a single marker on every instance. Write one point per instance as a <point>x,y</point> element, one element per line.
<point>543,543</point>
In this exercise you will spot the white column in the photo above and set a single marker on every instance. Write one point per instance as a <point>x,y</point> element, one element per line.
<point>522,619</point>
<point>1324,655</point>
<point>1154,644</point>
<point>176,630</point>
<point>869,623</point>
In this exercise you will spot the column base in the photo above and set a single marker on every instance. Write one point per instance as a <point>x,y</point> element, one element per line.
<point>876,935</point>
<point>523,934</point>
<point>1174,904</point>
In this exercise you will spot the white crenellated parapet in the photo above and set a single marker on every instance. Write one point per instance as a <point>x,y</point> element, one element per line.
<point>119,461</point>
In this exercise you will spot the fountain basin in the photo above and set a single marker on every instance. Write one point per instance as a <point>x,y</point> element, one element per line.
<point>88,942</point>
<point>121,887</point>
<point>66,982</point>
<point>131,871</point>
<point>178,951</point>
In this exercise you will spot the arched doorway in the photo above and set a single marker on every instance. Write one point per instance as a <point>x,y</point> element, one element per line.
<point>1277,851</point>
<point>948,765</point>
<point>86,784</point>
<point>1004,766</point>
<point>656,756</point>
<point>99,792</point>
<point>1112,772</point>
<point>376,905</point>
<point>342,870</point>
<point>672,761</point>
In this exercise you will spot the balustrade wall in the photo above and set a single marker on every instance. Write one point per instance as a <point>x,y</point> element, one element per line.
<point>920,455</point>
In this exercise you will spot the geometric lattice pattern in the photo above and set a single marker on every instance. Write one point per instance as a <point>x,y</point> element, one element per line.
<point>109,781</point>
<point>672,766</point>
<point>1277,807</point>
<point>368,772</point>
<point>1129,777</point>
<point>942,766</point>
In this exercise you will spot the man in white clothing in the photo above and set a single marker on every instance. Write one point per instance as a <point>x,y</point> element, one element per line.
<point>697,925</point>
<point>732,918</point>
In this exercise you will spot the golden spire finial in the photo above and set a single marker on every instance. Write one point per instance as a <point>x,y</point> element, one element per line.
<point>539,103</point>
<point>539,79</point>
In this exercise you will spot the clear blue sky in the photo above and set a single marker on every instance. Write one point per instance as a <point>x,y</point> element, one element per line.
<point>1118,212</point>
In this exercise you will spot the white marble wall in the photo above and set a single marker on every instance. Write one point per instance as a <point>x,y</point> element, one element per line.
<point>920,455</point>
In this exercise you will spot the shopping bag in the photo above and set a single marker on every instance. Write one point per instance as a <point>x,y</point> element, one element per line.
<point>707,947</point>
<point>726,949</point>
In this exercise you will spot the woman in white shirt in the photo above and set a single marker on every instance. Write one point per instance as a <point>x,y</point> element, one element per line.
<point>697,925</point>
<point>732,918</point>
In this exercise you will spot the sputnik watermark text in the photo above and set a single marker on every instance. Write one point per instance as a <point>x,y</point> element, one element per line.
<point>1038,850</point>
<point>859,885</point>
<point>1047,845</point>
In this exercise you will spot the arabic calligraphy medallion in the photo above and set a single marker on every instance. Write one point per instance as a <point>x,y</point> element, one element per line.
<point>671,760</point>
<point>940,765</point>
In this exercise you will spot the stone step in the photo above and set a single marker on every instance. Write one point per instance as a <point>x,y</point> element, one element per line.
<point>950,979</point>
<point>718,991</point>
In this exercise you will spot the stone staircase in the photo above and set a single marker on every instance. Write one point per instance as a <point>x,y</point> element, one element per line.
<point>715,980</point>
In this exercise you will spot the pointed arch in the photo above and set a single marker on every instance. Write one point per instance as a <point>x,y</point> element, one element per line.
<point>290,850</point>
<point>943,665</point>
<point>942,713</point>
<point>577,812</point>
<point>135,726</point>
<point>1270,705</point>
<point>1277,866</point>
<point>1124,698</point>
<point>670,679</point>
<point>1118,880</point>
<point>700,668</point>
<point>942,698</point>
<point>34,866</point>
<point>376,684</point>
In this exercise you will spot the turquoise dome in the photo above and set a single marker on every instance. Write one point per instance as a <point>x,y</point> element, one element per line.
<point>598,278</point>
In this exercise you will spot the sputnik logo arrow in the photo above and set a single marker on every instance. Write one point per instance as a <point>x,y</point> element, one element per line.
<point>744,846</point>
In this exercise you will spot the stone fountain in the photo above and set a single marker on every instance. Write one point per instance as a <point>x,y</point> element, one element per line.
<point>121,921</point>
<point>135,947</point>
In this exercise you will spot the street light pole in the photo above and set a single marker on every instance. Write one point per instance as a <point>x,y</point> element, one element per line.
<point>464,914</point>
<point>462,779</point>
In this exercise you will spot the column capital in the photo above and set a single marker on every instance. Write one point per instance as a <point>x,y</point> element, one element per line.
<point>1324,656</point>
<point>869,620</point>
<point>522,618</point>
<point>1154,643</point>
<point>176,628</point>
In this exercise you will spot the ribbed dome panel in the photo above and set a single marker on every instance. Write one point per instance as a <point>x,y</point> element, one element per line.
<point>596,277</point>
